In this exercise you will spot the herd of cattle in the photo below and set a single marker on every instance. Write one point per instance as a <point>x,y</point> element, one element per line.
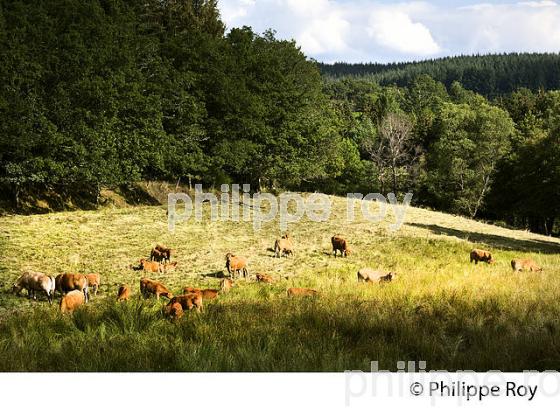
<point>75,288</point>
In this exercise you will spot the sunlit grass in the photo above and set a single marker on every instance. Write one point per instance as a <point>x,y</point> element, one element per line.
<point>443,310</point>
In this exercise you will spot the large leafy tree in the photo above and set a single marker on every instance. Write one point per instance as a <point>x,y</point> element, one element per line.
<point>471,140</point>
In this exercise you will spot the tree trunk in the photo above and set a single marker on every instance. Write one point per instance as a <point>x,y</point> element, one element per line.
<point>394,171</point>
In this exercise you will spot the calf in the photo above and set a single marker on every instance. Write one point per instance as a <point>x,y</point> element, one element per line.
<point>123,293</point>
<point>148,286</point>
<point>189,301</point>
<point>148,266</point>
<point>66,282</point>
<point>236,264</point>
<point>373,276</point>
<point>226,285</point>
<point>263,277</point>
<point>525,264</point>
<point>295,292</point>
<point>174,310</point>
<point>480,255</point>
<point>35,282</point>
<point>94,281</point>
<point>283,246</point>
<point>340,244</point>
<point>169,267</point>
<point>71,301</point>
<point>205,293</point>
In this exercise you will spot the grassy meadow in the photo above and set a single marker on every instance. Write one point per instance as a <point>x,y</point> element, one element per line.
<point>441,309</point>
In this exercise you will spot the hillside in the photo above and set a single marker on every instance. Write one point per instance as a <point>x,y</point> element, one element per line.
<point>489,75</point>
<point>441,309</point>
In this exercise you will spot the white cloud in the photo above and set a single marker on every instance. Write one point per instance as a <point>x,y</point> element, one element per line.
<point>324,34</point>
<point>364,30</point>
<point>543,3</point>
<point>395,30</point>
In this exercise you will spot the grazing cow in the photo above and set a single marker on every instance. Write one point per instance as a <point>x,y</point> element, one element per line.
<point>263,277</point>
<point>123,293</point>
<point>94,281</point>
<point>164,252</point>
<point>174,310</point>
<point>295,292</point>
<point>340,244</point>
<point>71,301</point>
<point>206,293</point>
<point>148,286</point>
<point>35,282</point>
<point>236,264</point>
<point>157,256</point>
<point>148,266</point>
<point>284,246</point>
<point>226,285</point>
<point>373,276</point>
<point>66,282</point>
<point>479,255</point>
<point>525,264</point>
<point>189,301</point>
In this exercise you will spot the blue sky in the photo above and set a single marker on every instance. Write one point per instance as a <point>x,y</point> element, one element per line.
<point>385,31</point>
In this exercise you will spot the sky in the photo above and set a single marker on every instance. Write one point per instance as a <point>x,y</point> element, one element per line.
<point>387,31</point>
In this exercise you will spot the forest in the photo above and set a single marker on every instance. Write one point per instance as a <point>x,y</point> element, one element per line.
<point>106,93</point>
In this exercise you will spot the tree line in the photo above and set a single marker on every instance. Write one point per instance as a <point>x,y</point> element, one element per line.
<point>489,75</point>
<point>110,92</point>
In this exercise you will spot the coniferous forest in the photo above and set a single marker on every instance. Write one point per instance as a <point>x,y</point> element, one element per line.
<point>106,93</point>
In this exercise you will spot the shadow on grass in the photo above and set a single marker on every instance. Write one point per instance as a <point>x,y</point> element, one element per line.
<point>218,274</point>
<point>136,195</point>
<point>450,333</point>
<point>496,241</point>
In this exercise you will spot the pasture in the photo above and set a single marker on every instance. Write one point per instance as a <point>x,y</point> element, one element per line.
<point>441,309</point>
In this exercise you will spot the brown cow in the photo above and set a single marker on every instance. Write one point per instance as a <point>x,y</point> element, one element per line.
<point>66,282</point>
<point>157,256</point>
<point>525,264</point>
<point>340,244</point>
<point>301,292</point>
<point>226,285</point>
<point>284,246</point>
<point>94,281</point>
<point>71,301</point>
<point>206,293</point>
<point>174,310</point>
<point>123,293</point>
<point>480,255</point>
<point>235,264</point>
<point>164,252</point>
<point>189,301</point>
<point>148,286</point>
<point>263,277</point>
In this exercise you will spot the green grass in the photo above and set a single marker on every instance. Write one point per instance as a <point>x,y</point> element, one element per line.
<point>443,310</point>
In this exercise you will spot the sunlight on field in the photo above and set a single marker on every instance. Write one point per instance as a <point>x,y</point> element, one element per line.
<point>453,314</point>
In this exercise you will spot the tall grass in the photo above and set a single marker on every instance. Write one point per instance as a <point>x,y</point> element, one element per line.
<point>441,310</point>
